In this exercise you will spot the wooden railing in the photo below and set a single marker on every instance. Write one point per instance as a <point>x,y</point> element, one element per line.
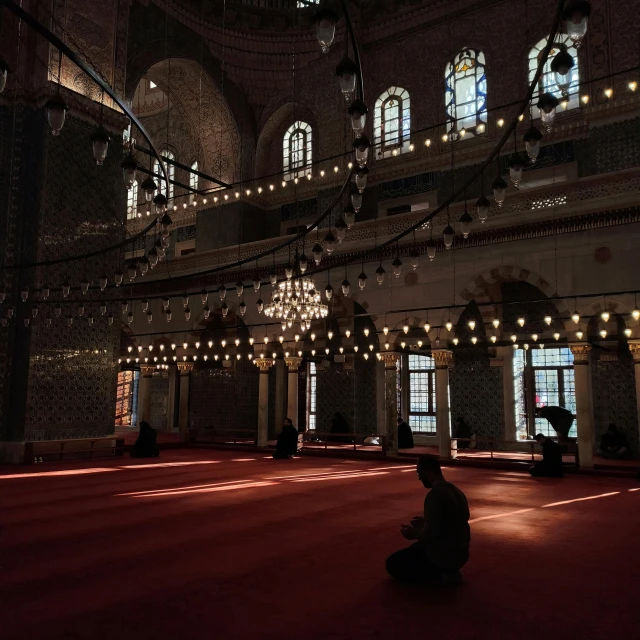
<point>51,450</point>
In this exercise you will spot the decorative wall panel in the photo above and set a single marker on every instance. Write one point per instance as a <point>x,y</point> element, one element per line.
<point>614,396</point>
<point>159,401</point>
<point>475,390</point>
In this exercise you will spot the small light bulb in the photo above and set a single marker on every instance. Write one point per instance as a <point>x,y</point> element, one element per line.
<point>579,335</point>
<point>496,323</point>
<point>403,344</point>
<point>366,331</point>
<point>237,194</point>
<point>271,187</point>
<point>575,317</point>
<point>633,85</point>
<point>259,189</point>
<point>521,117</point>
<point>521,321</point>
<point>350,165</point>
<point>445,137</point>
<point>370,347</point>
<point>548,320</point>
<point>628,332</point>
<point>411,147</point>
<point>223,343</point>
<point>322,173</point>
<point>385,330</point>
<point>341,350</point>
<point>449,325</point>
<point>335,169</point>
<point>556,336</point>
<point>635,314</point>
<point>494,339</point>
<point>585,99</point>
<point>608,92</point>
<point>405,329</point>
<point>347,333</point>
<point>514,337</point>
<point>605,316</point>
<point>455,341</point>
<point>427,142</point>
<point>474,339</point>
<point>481,127</point>
<point>603,333</point>
<point>427,327</point>
<point>500,122</point>
<point>472,324</point>
<point>534,337</point>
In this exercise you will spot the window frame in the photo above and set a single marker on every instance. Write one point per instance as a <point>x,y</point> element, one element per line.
<point>132,201</point>
<point>430,372</point>
<point>453,76</point>
<point>301,169</point>
<point>312,396</point>
<point>171,170</point>
<point>194,181</point>
<point>401,142</point>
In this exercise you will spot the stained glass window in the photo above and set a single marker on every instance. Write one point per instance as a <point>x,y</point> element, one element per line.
<point>132,201</point>
<point>171,170</point>
<point>422,394</point>
<point>297,150</point>
<point>193,181</point>
<point>547,82</point>
<point>392,122</point>
<point>466,92</point>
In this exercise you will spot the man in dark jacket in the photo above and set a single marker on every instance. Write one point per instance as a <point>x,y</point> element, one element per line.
<point>287,443</point>
<point>551,464</point>
<point>145,446</point>
<point>405,435</point>
<point>559,418</point>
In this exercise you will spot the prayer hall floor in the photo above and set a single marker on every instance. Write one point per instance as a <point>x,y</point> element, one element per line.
<point>221,544</point>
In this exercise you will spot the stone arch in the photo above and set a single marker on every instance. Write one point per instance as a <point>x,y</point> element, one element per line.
<point>269,146</point>
<point>479,289</point>
<point>209,122</point>
<point>183,43</point>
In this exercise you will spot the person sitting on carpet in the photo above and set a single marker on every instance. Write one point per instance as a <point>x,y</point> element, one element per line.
<point>613,444</point>
<point>442,535</point>
<point>287,443</point>
<point>466,438</point>
<point>559,418</point>
<point>145,446</point>
<point>405,435</point>
<point>339,424</point>
<point>551,464</point>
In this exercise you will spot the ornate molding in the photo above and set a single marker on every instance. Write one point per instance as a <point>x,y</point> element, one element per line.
<point>443,358</point>
<point>293,363</point>
<point>580,352</point>
<point>185,368</point>
<point>390,360</point>
<point>147,371</point>
<point>634,347</point>
<point>264,364</point>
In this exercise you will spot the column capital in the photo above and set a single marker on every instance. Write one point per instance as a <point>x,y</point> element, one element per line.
<point>147,371</point>
<point>580,352</point>
<point>185,368</point>
<point>443,358</point>
<point>293,363</point>
<point>264,364</point>
<point>390,359</point>
<point>634,347</point>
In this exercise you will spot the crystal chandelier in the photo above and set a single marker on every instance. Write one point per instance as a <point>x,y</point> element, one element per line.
<point>296,300</point>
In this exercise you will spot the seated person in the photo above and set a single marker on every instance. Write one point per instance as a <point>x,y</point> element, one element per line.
<point>405,435</point>
<point>442,535</point>
<point>287,443</point>
<point>145,446</point>
<point>551,464</point>
<point>339,424</point>
<point>613,443</point>
<point>462,431</point>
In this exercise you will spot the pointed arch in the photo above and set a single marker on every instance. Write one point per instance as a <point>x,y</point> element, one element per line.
<point>297,148</point>
<point>392,122</point>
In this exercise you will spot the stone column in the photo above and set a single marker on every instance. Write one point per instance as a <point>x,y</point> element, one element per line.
<point>404,386</point>
<point>634,347</point>
<point>505,354</point>
<point>391,401</point>
<point>281,382</point>
<point>381,404</point>
<point>171,400</point>
<point>584,406</point>
<point>443,417</point>
<point>293,365</point>
<point>144,393</point>
<point>264,364</point>
<point>185,369</point>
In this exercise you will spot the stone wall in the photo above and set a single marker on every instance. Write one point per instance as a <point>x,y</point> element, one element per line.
<point>159,401</point>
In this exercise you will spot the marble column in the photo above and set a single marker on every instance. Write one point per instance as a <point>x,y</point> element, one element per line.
<point>264,364</point>
<point>144,393</point>
<point>443,359</point>
<point>293,365</point>
<point>634,347</point>
<point>584,405</point>
<point>171,399</point>
<point>281,383</point>
<point>505,354</point>
<point>185,369</point>
<point>391,401</point>
<point>381,404</point>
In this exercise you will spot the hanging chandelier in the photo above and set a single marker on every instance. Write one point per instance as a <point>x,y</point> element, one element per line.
<point>296,300</point>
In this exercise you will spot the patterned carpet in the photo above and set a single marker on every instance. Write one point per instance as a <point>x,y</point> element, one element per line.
<point>211,544</point>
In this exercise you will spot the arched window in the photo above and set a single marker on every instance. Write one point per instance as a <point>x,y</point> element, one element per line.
<point>132,201</point>
<point>193,181</point>
<point>392,122</point>
<point>296,150</point>
<point>547,82</point>
<point>171,170</point>
<point>466,92</point>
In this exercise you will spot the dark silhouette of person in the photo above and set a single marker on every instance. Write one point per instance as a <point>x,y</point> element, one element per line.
<point>559,418</point>
<point>442,535</point>
<point>338,425</point>
<point>287,443</point>
<point>145,446</point>
<point>405,435</point>
<point>613,443</point>
<point>551,464</point>
<point>463,433</point>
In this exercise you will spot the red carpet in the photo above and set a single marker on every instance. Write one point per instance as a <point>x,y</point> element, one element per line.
<point>233,548</point>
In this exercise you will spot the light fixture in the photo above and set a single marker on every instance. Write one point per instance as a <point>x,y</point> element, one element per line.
<point>447,236</point>
<point>496,323</point>
<point>358,113</point>
<point>129,167</point>
<point>362,280</point>
<point>449,325</point>
<point>521,321</point>
<point>366,332</point>
<point>605,316</point>
<point>380,273</point>
<point>474,340</point>
<point>628,332</point>
<point>635,314</point>
<point>547,103</point>
<point>100,144</point>
<point>603,333</point>
<point>499,188</point>
<point>341,232</point>
<point>427,327</point>
<point>346,285</point>
<point>532,139</point>
<point>561,66</point>
<point>633,85</point>
<point>483,205</point>
<point>548,320</point>
<point>575,317</point>
<point>455,341</point>
<point>494,339</point>
<point>556,336</point>
<point>576,15</point>
<point>514,337</point>
<point>396,266</point>
<point>465,224</point>
<point>534,337</point>
<point>516,165</point>
<point>472,324</point>
<point>579,335</point>
<point>325,20</point>
<point>56,113</point>
<point>361,145</point>
<point>500,122</point>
